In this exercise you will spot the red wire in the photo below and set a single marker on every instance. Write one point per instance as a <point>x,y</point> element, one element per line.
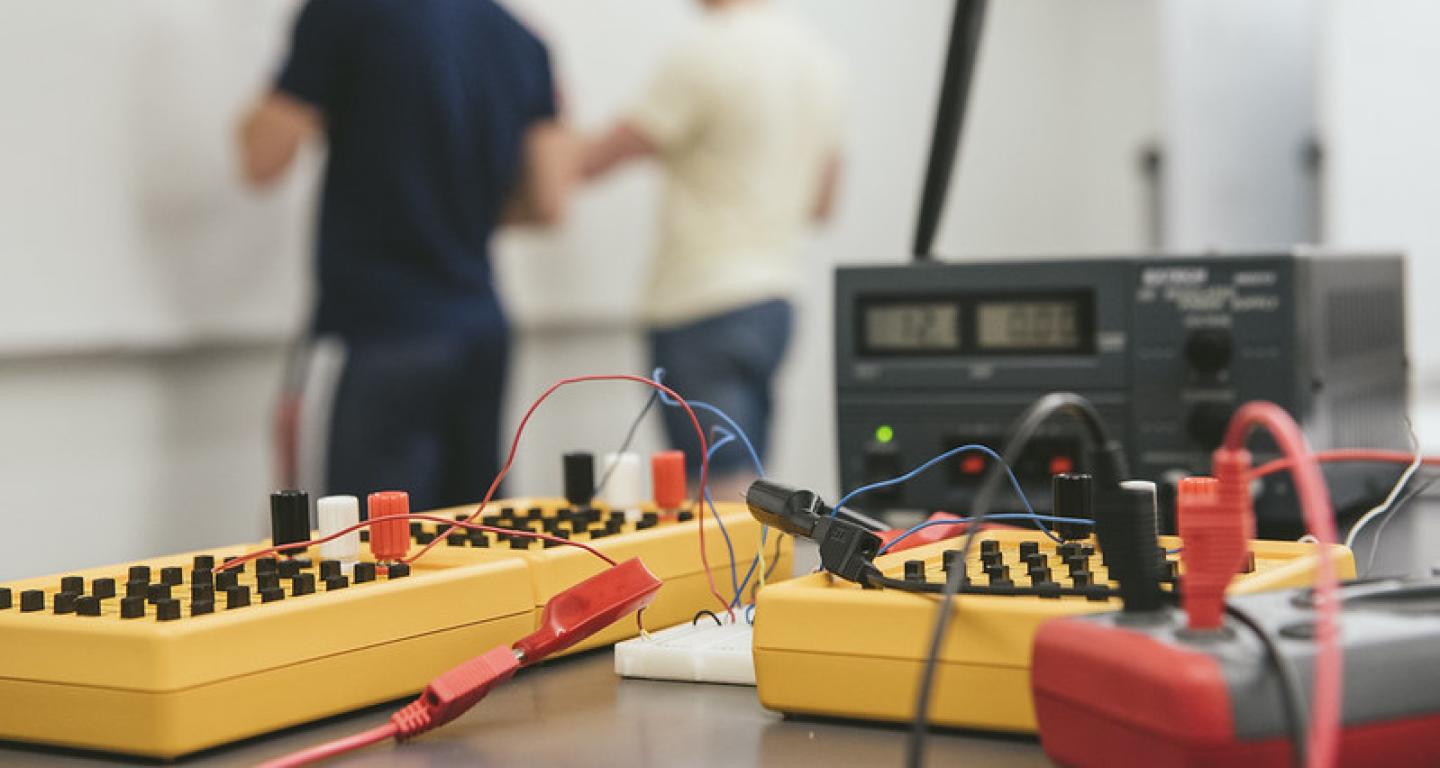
<point>1346,454</point>
<point>504,470</point>
<point>1323,744</point>
<point>237,562</point>
<point>704,465</point>
<point>333,748</point>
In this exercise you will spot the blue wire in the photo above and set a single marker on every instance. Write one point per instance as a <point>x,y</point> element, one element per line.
<point>750,614</point>
<point>1014,482</point>
<point>715,446</point>
<point>719,414</point>
<point>764,529</point>
<point>735,433</point>
<point>932,462</point>
<point>1002,516</point>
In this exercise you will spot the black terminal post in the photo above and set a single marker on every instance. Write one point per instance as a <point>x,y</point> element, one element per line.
<point>1125,525</point>
<point>846,547</point>
<point>289,519</point>
<point>579,478</point>
<point>1072,496</point>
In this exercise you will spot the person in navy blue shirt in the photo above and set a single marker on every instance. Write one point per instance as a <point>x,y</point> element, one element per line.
<point>441,123</point>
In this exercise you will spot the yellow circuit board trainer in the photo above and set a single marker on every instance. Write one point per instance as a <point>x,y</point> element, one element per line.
<point>171,655</point>
<point>827,647</point>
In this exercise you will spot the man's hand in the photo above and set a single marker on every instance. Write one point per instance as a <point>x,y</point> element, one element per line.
<point>272,133</point>
<point>551,165</point>
<point>828,190</point>
<point>621,145</point>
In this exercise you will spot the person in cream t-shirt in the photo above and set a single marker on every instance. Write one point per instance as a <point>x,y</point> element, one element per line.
<point>745,119</point>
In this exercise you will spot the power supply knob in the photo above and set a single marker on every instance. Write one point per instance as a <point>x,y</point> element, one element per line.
<point>1207,424</point>
<point>1209,350</point>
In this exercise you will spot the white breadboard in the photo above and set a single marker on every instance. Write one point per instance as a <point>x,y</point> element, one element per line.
<point>694,653</point>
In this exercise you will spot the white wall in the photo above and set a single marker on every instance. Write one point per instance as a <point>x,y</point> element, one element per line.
<point>1381,122</point>
<point>120,456</point>
<point>1380,125</point>
<point>122,220</point>
<point>1238,113</point>
<point>144,295</point>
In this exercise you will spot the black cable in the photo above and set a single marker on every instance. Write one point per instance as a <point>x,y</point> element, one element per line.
<point>1110,463</point>
<point>775,558</point>
<point>915,747</point>
<point>629,438</point>
<point>1111,467</point>
<point>900,585</point>
<point>861,519</point>
<point>1292,698</point>
<point>704,612</point>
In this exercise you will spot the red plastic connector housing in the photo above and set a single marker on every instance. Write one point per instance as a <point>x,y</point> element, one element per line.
<point>667,476</point>
<point>452,693</point>
<point>569,617</point>
<point>1232,469</point>
<point>1213,534</point>
<point>389,539</point>
<point>924,536</point>
<point>588,607</point>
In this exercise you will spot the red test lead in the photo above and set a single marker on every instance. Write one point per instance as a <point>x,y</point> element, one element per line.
<point>569,617</point>
<point>589,607</point>
<point>1215,546</point>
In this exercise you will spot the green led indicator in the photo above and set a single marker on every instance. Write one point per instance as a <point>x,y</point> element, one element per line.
<point>884,433</point>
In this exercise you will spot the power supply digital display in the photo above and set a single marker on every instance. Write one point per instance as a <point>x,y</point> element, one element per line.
<point>1029,326</point>
<point>913,327</point>
<point>977,325</point>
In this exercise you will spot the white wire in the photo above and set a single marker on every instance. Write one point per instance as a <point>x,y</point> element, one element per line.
<point>1384,506</point>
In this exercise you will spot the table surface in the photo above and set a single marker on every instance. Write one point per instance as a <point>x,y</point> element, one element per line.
<point>576,712</point>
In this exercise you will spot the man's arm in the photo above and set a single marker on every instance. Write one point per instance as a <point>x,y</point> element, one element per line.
<point>828,190</point>
<point>549,167</point>
<point>623,144</point>
<point>271,135</point>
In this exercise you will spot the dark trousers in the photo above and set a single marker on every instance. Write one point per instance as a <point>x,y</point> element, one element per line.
<point>421,416</point>
<point>729,361</point>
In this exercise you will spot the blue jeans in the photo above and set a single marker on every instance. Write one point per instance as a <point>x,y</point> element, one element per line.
<point>729,361</point>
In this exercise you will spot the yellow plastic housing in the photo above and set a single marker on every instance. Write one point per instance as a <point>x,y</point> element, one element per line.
<point>830,648</point>
<point>165,689</point>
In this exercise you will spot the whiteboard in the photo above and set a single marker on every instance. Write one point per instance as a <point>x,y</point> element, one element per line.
<point>122,218</point>
<point>123,222</point>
